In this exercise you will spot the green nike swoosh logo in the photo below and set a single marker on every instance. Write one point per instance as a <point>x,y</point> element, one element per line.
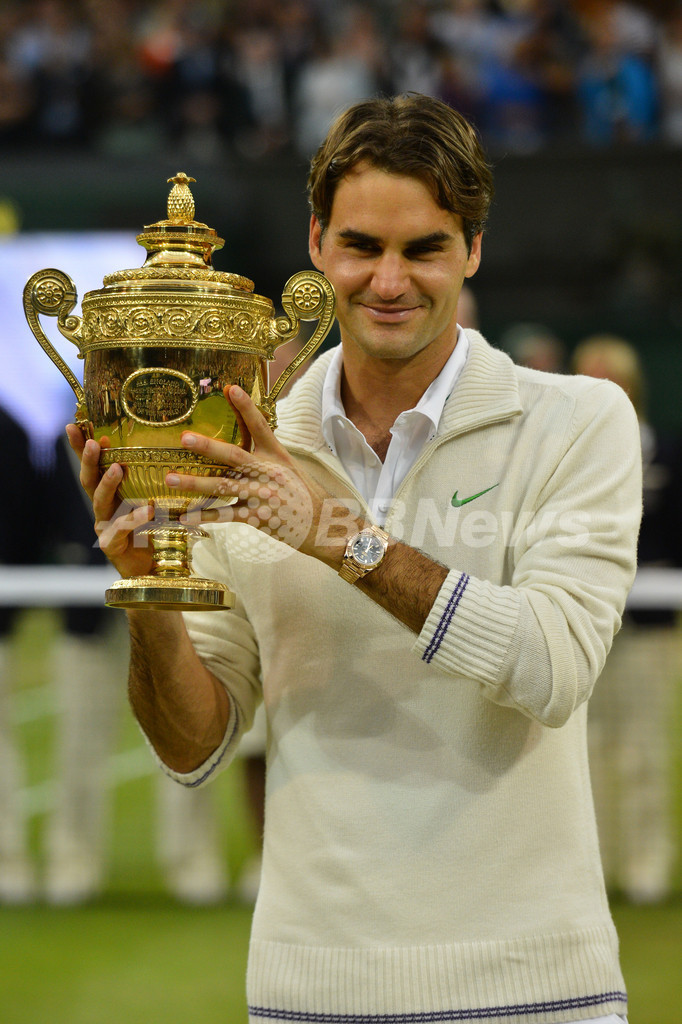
<point>456,502</point>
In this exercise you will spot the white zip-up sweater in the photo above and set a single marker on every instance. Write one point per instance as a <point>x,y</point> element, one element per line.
<point>430,849</point>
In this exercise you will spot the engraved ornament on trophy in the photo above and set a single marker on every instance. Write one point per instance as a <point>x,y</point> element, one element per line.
<point>159,345</point>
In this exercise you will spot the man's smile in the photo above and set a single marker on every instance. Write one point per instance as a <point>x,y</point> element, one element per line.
<point>389,314</point>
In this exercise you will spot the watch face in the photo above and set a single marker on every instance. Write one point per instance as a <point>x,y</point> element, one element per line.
<point>368,549</point>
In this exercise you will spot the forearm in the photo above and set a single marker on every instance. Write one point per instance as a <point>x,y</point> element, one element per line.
<point>406,584</point>
<point>180,705</point>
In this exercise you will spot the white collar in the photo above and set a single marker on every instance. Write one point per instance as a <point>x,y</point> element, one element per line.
<point>430,405</point>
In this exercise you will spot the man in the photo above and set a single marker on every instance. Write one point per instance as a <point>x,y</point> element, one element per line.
<point>430,850</point>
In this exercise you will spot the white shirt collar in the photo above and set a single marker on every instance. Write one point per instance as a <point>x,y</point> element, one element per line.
<point>430,405</point>
<point>378,481</point>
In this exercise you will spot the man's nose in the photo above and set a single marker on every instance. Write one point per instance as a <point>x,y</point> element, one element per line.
<point>390,277</point>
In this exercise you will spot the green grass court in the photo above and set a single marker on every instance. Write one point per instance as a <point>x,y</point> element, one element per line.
<point>136,957</point>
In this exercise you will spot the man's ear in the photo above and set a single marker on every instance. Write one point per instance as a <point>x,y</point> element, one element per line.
<point>315,243</point>
<point>474,260</point>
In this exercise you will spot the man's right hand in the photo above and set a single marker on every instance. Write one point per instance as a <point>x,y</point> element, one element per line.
<point>113,526</point>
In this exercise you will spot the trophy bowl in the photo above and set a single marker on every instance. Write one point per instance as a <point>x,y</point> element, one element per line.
<point>159,344</point>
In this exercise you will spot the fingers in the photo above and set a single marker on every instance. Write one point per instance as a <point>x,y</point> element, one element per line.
<point>251,420</point>
<point>284,512</point>
<point>104,499</point>
<point>128,551</point>
<point>245,434</point>
<point>100,488</point>
<point>255,477</point>
<point>76,438</point>
<point>114,534</point>
<point>90,471</point>
<point>235,459</point>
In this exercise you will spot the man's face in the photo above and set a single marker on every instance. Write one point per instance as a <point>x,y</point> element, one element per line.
<point>397,261</point>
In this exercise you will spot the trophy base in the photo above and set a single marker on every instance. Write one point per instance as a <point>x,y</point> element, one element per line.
<point>167,593</point>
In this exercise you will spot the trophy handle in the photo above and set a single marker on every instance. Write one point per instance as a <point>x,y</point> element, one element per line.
<point>307,295</point>
<point>53,293</point>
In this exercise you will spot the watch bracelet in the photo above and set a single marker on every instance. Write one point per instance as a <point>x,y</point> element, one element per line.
<point>351,573</point>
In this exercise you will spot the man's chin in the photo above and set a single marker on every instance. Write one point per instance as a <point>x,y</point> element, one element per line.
<point>391,350</point>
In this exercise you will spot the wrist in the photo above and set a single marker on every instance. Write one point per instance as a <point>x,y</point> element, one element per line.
<point>331,532</point>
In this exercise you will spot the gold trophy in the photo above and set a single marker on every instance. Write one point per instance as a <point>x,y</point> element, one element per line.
<point>159,345</point>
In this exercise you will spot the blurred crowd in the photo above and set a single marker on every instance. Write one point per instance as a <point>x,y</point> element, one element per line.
<point>256,77</point>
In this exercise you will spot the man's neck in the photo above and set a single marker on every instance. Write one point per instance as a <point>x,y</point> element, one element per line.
<point>375,392</point>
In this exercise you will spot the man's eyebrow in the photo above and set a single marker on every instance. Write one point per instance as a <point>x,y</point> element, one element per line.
<point>434,238</point>
<point>351,235</point>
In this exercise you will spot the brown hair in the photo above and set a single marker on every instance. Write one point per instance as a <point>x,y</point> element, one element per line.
<point>413,135</point>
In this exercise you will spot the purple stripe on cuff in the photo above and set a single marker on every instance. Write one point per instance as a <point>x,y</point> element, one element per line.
<point>446,618</point>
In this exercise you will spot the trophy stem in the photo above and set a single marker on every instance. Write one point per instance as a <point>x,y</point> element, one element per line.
<point>170,585</point>
<point>172,549</point>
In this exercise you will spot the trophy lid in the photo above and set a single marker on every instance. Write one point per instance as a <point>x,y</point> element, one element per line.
<point>180,247</point>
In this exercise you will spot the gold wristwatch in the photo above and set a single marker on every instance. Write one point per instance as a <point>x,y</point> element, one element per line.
<point>364,551</point>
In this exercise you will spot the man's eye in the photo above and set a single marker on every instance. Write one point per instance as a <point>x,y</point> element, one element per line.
<point>423,250</point>
<point>363,247</point>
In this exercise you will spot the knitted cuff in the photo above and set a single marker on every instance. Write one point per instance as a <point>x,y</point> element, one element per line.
<point>469,628</point>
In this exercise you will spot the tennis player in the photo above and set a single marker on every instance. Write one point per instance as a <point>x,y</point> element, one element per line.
<point>431,559</point>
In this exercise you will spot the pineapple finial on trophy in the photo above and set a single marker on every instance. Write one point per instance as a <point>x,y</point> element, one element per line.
<point>181,200</point>
<point>181,240</point>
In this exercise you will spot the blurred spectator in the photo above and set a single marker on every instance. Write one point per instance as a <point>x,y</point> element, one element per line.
<point>670,78</point>
<point>536,346</point>
<point>20,542</point>
<point>348,67</point>
<point>16,88</point>
<point>158,35</point>
<point>414,51</point>
<point>616,80</point>
<point>128,123</point>
<point>258,68</point>
<point>453,86</point>
<point>467,308</point>
<point>297,31</point>
<point>53,49</point>
<point>519,78</point>
<point>471,29</point>
<point>15,104</point>
<point>629,712</point>
<point>545,57</point>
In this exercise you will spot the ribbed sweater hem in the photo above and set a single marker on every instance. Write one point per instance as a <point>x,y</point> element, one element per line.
<point>529,980</point>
